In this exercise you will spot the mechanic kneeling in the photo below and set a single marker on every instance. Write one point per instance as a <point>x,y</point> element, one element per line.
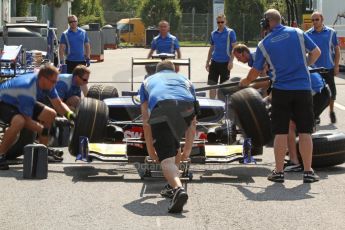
<point>167,105</point>
<point>20,108</point>
<point>69,86</point>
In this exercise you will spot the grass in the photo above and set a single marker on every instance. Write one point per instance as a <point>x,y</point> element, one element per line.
<point>194,43</point>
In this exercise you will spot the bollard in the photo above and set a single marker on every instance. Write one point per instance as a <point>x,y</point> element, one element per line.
<point>83,154</point>
<point>247,151</point>
<point>35,165</point>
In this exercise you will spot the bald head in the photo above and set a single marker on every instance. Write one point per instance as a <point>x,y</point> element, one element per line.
<point>273,15</point>
<point>165,65</point>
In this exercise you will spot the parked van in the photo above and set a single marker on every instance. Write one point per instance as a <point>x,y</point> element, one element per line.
<point>132,30</point>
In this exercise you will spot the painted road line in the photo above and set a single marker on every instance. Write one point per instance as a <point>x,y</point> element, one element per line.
<point>339,106</point>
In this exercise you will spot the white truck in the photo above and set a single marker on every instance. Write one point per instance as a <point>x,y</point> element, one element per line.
<point>333,12</point>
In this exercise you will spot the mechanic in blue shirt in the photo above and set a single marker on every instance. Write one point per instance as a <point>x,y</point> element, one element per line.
<point>69,86</point>
<point>165,42</point>
<point>19,106</point>
<point>75,43</point>
<point>167,106</point>
<point>284,49</point>
<point>223,39</point>
<point>243,54</point>
<point>326,39</point>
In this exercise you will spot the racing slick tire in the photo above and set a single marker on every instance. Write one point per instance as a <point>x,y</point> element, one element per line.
<point>91,121</point>
<point>249,112</point>
<point>328,149</point>
<point>95,92</point>
<point>25,137</point>
<point>109,92</point>
<point>102,92</point>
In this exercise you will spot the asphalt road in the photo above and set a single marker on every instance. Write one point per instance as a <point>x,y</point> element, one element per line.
<point>78,195</point>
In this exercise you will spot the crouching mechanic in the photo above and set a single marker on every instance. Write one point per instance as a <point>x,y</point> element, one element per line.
<point>20,108</point>
<point>69,86</point>
<point>167,106</point>
<point>243,54</point>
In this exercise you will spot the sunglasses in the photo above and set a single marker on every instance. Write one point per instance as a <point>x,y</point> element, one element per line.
<point>72,22</point>
<point>84,80</point>
<point>315,20</point>
<point>220,22</point>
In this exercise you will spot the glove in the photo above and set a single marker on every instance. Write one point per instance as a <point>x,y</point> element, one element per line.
<point>87,61</point>
<point>71,116</point>
<point>62,67</point>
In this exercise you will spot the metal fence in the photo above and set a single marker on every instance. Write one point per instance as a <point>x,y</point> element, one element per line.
<point>42,12</point>
<point>193,27</point>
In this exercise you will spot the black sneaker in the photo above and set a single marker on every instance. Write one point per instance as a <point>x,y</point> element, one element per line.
<point>289,166</point>
<point>3,163</point>
<point>167,191</point>
<point>178,201</point>
<point>310,177</point>
<point>276,176</point>
<point>332,117</point>
<point>53,157</point>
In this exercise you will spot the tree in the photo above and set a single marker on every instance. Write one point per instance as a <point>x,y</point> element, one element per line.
<point>88,11</point>
<point>120,5</point>
<point>22,8</point>
<point>244,17</point>
<point>199,6</point>
<point>153,11</point>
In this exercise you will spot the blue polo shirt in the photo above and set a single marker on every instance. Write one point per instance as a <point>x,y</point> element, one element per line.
<point>222,42</point>
<point>284,49</point>
<point>326,40</point>
<point>23,92</point>
<point>66,87</point>
<point>166,85</point>
<point>317,83</point>
<point>74,42</point>
<point>169,44</point>
<point>251,59</point>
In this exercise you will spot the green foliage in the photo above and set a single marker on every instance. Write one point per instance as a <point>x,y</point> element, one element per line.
<point>120,5</point>
<point>244,17</point>
<point>88,11</point>
<point>153,11</point>
<point>22,8</point>
<point>201,7</point>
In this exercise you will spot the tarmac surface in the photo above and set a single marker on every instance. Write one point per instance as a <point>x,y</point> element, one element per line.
<point>100,195</point>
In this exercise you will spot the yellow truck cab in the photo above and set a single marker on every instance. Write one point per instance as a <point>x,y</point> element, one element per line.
<point>132,30</point>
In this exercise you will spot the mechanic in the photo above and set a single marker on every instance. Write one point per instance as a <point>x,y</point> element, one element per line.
<point>243,54</point>
<point>321,99</point>
<point>284,50</point>
<point>167,105</point>
<point>326,38</point>
<point>222,41</point>
<point>75,42</point>
<point>69,86</point>
<point>20,109</point>
<point>165,42</point>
